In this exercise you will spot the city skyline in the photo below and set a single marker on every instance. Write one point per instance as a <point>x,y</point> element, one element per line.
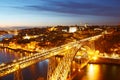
<point>58,12</point>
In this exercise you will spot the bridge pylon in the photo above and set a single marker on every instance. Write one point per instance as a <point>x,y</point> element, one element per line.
<point>63,68</point>
<point>51,66</point>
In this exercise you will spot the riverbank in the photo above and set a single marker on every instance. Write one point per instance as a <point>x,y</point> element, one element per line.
<point>101,60</point>
<point>18,50</point>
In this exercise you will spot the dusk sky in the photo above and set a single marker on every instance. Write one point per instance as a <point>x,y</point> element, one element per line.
<point>59,12</point>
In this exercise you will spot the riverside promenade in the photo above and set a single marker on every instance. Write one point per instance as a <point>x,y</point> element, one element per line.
<point>105,60</point>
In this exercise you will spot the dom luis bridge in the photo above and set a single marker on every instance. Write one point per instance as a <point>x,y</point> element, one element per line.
<point>55,72</point>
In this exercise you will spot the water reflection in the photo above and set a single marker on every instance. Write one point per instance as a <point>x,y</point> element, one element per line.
<point>99,72</point>
<point>36,71</point>
<point>7,55</point>
<point>93,72</point>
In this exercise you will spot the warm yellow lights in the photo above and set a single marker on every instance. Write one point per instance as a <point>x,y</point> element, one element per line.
<point>2,64</point>
<point>52,29</point>
<point>73,69</point>
<point>14,60</point>
<point>91,68</point>
<point>29,37</point>
<point>17,66</point>
<point>114,55</point>
<point>26,37</point>
<point>67,47</point>
<point>95,58</point>
<point>78,57</point>
<point>84,49</point>
<point>79,70</point>
<point>96,52</point>
<point>91,53</point>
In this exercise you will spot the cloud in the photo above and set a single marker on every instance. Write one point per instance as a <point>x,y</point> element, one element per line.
<point>75,7</point>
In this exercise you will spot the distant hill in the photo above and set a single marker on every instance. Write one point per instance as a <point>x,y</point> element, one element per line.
<point>6,28</point>
<point>18,27</point>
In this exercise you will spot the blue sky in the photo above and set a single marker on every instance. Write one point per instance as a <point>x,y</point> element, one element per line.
<point>58,12</point>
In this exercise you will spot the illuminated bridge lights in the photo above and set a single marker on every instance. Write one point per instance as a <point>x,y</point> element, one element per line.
<point>34,58</point>
<point>95,57</point>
